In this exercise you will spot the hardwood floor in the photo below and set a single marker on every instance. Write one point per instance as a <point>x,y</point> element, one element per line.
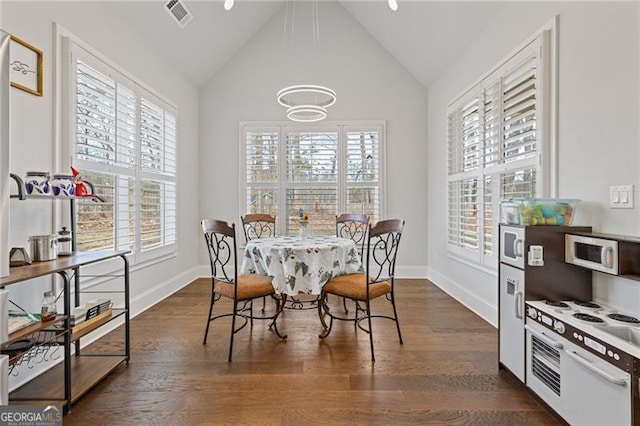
<point>445,373</point>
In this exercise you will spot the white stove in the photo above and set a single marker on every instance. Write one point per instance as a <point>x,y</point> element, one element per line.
<point>580,359</point>
<point>607,331</point>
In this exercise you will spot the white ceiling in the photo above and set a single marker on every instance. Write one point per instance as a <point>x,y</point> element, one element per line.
<point>424,36</point>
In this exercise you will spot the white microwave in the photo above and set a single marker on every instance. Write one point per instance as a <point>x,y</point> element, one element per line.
<point>599,254</point>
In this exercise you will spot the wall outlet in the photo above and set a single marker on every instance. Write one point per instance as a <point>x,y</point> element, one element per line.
<point>621,197</point>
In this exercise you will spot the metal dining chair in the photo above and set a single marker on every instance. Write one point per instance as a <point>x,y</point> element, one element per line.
<point>220,238</point>
<point>353,226</point>
<point>258,225</point>
<point>383,240</point>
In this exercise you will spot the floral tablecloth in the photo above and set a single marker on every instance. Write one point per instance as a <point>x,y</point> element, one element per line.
<point>300,265</point>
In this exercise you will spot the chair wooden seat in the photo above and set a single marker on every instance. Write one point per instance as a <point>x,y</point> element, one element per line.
<point>353,286</point>
<point>250,286</point>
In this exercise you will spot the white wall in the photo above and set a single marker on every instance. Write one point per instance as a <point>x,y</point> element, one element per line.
<point>34,135</point>
<point>598,143</point>
<point>370,84</point>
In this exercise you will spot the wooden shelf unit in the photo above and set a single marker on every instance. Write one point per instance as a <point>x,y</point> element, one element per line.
<point>69,380</point>
<point>87,371</point>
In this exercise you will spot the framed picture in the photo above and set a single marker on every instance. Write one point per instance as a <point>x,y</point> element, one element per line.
<point>25,69</point>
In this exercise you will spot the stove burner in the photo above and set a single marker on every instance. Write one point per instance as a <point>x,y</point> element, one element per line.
<point>556,304</point>
<point>587,318</point>
<point>624,318</point>
<point>589,305</point>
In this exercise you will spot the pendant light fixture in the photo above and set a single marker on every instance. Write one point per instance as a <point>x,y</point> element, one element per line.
<point>306,102</point>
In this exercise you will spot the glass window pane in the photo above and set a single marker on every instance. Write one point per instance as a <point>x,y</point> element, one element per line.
<point>262,200</point>
<point>312,157</point>
<point>261,157</point>
<point>319,203</point>
<point>95,221</point>
<point>365,200</point>
<point>362,157</point>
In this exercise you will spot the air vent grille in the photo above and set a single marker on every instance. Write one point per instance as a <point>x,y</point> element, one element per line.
<point>178,10</point>
<point>545,364</point>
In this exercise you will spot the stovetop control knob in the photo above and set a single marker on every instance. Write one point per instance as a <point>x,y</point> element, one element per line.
<point>532,312</point>
<point>559,327</point>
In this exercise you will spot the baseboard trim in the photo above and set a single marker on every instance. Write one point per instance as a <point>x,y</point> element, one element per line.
<point>482,308</point>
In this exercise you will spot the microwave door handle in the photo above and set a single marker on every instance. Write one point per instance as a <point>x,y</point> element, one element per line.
<point>518,302</point>
<point>606,256</point>
<point>589,366</point>
<point>540,335</point>
<point>517,247</point>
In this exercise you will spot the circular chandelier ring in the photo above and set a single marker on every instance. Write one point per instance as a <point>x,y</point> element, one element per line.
<point>306,113</point>
<point>309,89</point>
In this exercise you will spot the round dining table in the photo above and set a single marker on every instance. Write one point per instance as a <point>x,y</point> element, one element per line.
<point>300,265</point>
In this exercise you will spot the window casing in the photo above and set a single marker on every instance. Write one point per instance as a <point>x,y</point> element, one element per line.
<point>498,138</point>
<point>123,140</point>
<point>323,169</point>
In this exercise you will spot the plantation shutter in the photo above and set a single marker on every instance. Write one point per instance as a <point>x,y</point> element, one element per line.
<point>312,173</point>
<point>157,170</point>
<point>363,174</point>
<point>471,135</point>
<point>323,170</point>
<point>519,110</point>
<point>106,118</point>
<point>125,145</point>
<point>464,142</point>
<point>261,170</point>
<point>494,150</point>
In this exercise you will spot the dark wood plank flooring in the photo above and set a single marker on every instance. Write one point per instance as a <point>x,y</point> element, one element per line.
<point>445,373</point>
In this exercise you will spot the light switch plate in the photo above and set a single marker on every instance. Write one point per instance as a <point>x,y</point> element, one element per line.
<point>621,197</point>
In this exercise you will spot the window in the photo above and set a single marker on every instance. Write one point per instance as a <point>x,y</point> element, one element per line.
<point>124,142</point>
<point>497,137</point>
<point>323,170</point>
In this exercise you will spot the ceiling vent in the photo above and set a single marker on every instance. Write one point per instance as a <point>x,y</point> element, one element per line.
<point>178,10</point>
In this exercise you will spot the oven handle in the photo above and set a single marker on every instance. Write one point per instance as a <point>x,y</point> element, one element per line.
<point>586,364</point>
<point>540,334</point>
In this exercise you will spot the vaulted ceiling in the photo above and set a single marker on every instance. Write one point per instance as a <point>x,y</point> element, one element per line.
<point>424,36</point>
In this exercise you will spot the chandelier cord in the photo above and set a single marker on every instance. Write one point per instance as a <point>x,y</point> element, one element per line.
<point>316,39</point>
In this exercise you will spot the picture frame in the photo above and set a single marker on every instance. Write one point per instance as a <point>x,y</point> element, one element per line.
<point>25,66</point>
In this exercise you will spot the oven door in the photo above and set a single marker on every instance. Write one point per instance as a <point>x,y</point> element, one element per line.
<point>595,392</point>
<point>545,356</point>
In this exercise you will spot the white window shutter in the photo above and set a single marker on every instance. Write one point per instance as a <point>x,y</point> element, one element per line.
<point>494,150</point>
<point>519,110</point>
<point>471,135</point>
<point>261,171</point>
<point>363,174</point>
<point>125,145</point>
<point>322,169</point>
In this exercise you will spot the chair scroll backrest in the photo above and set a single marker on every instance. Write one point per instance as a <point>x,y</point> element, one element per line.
<point>258,225</point>
<point>382,248</point>
<point>220,238</point>
<point>354,227</point>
